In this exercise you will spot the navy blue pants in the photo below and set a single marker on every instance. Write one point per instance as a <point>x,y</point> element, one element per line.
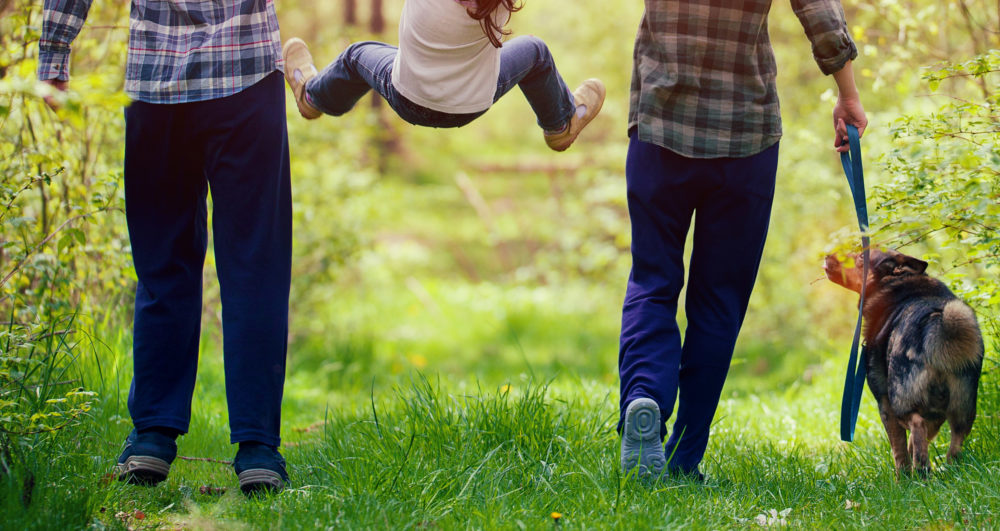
<point>237,147</point>
<point>730,200</point>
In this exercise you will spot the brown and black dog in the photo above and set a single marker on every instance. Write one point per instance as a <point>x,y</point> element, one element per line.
<point>925,353</point>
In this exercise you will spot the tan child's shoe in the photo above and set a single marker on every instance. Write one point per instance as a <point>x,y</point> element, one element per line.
<point>590,94</point>
<point>299,69</point>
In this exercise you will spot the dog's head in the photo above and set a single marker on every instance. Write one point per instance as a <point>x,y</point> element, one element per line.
<point>884,265</point>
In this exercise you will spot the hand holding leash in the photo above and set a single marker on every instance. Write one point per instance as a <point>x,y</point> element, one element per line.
<point>848,109</point>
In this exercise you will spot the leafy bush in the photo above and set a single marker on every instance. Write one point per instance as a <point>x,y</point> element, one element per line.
<point>945,191</point>
<point>64,249</point>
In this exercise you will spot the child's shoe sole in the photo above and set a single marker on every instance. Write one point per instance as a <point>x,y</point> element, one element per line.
<point>590,93</point>
<point>297,58</point>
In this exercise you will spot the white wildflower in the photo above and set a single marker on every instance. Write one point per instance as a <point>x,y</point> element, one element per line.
<point>772,518</point>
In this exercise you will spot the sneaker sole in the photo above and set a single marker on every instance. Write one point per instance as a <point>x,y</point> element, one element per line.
<point>307,111</point>
<point>642,450</point>
<point>257,480</point>
<point>142,470</point>
<point>565,143</point>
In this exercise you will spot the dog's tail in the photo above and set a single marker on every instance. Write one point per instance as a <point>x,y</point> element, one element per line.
<point>954,341</point>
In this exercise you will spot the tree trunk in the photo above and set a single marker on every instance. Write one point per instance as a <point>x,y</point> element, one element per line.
<point>377,23</point>
<point>386,139</point>
<point>350,13</point>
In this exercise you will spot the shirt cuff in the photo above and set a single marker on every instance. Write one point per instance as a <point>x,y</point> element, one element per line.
<point>846,51</point>
<point>53,64</point>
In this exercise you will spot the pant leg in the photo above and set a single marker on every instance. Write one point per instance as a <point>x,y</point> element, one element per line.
<point>729,234</point>
<point>663,189</point>
<point>165,210</point>
<point>246,161</point>
<point>526,62</point>
<point>361,67</point>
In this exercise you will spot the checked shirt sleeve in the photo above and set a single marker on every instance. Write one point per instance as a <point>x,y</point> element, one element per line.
<point>61,23</point>
<point>826,27</point>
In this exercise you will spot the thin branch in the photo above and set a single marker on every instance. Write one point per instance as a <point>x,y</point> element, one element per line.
<point>205,459</point>
<point>52,334</point>
<point>15,195</point>
<point>47,239</point>
<point>972,261</point>
<point>921,237</point>
<point>970,74</point>
<point>53,384</point>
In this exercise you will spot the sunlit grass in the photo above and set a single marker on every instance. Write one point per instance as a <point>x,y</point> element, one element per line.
<point>506,451</point>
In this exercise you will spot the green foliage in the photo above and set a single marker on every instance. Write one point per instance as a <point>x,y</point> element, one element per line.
<point>443,453</point>
<point>64,252</point>
<point>945,191</point>
<point>478,255</point>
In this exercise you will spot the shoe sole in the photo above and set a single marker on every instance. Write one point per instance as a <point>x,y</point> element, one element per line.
<point>587,118</point>
<point>642,450</point>
<point>142,470</point>
<point>307,111</point>
<point>259,480</point>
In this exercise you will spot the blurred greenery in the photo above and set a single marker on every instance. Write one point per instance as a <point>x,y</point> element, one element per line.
<point>477,255</point>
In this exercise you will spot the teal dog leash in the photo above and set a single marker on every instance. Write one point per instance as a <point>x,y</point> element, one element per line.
<point>854,383</point>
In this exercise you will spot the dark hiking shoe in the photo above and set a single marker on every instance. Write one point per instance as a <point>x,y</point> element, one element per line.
<point>146,458</point>
<point>260,468</point>
<point>642,450</point>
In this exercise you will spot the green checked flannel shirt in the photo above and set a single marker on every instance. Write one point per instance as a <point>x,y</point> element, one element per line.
<point>703,75</point>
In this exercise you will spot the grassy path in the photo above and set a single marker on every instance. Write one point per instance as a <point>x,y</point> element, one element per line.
<point>422,453</point>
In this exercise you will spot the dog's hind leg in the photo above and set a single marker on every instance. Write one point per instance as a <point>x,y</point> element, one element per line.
<point>961,425</point>
<point>897,437</point>
<point>933,428</point>
<point>962,413</point>
<point>919,442</point>
<point>955,448</point>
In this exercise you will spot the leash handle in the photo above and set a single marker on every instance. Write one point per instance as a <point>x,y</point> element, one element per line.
<point>854,382</point>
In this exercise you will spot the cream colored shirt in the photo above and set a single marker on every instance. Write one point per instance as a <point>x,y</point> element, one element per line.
<point>445,62</point>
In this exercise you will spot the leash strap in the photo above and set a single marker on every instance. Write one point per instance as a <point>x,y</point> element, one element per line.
<point>854,383</point>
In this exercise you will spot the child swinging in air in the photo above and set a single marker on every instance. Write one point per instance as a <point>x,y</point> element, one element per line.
<point>449,68</point>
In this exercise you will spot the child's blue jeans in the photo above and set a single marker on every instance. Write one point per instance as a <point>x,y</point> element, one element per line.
<point>730,201</point>
<point>524,61</point>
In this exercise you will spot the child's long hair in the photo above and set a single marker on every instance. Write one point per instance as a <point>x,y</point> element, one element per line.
<point>483,12</point>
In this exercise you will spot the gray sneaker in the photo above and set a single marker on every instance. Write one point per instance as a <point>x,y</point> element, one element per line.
<point>642,448</point>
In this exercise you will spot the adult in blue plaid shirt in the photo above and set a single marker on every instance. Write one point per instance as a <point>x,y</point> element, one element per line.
<point>704,126</point>
<point>208,114</point>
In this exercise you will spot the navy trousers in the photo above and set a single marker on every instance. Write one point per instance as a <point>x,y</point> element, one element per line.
<point>730,200</point>
<point>237,147</point>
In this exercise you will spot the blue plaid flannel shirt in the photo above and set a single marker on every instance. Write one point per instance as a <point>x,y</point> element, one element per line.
<point>179,50</point>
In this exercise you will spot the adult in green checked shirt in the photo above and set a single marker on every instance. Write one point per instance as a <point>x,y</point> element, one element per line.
<point>704,126</point>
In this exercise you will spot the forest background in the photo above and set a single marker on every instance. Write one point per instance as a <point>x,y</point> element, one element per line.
<point>461,290</point>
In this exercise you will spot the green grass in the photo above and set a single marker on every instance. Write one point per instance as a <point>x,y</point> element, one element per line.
<point>406,450</point>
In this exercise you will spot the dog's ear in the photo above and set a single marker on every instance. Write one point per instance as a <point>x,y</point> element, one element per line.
<point>910,265</point>
<point>884,267</point>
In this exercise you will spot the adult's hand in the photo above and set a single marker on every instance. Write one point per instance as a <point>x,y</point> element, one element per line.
<point>59,85</point>
<point>848,111</point>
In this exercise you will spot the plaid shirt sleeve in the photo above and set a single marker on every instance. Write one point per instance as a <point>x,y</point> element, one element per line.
<point>826,27</point>
<point>61,23</point>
